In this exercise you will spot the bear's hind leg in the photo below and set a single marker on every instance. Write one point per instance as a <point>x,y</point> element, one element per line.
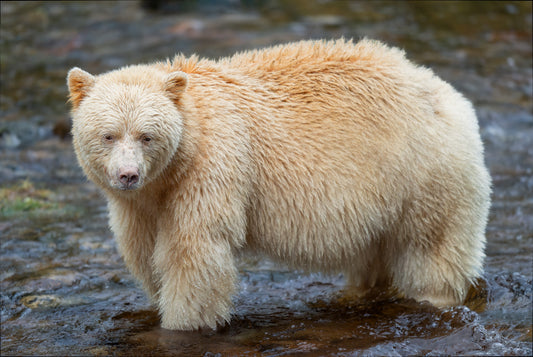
<point>368,273</point>
<point>442,272</point>
<point>439,243</point>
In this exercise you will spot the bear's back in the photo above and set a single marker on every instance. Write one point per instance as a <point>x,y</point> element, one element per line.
<point>307,53</point>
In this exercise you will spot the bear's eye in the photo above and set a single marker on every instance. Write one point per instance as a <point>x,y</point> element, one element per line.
<point>108,138</point>
<point>146,138</point>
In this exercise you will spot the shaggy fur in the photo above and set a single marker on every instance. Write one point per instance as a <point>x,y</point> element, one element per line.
<point>328,156</point>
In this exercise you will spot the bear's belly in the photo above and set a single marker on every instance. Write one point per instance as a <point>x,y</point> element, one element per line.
<point>313,231</point>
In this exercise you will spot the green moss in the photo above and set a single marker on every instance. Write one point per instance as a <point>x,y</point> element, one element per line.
<point>24,197</point>
<point>26,204</point>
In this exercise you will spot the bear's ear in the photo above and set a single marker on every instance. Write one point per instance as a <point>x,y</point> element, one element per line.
<point>79,82</point>
<point>175,84</point>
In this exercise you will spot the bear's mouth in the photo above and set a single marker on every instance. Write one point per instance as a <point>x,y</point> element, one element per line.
<point>118,186</point>
<point>128,187</point>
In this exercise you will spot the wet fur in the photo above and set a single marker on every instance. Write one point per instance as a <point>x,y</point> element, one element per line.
<point>328,156</point>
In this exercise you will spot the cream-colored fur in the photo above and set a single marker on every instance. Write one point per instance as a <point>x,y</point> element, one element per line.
<point>328,156</point>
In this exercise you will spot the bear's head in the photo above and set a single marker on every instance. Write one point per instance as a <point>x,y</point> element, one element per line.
<point>126,124</point>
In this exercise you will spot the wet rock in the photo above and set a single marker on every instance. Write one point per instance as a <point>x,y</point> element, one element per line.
<point>62,129</point>
<point>326,21</point>
<point>41,301</point>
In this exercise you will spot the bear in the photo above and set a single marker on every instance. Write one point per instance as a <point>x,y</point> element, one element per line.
<point>330,156</point>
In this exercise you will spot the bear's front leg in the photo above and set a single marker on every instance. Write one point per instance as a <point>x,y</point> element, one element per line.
<point>135,239</point>
<point>197,280</point>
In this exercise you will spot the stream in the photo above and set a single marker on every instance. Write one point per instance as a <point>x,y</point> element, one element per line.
<point>64,287</point>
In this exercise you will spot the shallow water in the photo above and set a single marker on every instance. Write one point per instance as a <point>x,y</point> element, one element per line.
<point>64,288</point>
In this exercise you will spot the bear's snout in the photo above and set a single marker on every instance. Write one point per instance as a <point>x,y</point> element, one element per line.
<point>128,176</point>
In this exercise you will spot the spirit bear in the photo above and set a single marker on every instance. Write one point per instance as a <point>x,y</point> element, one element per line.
<point>325,155</point>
